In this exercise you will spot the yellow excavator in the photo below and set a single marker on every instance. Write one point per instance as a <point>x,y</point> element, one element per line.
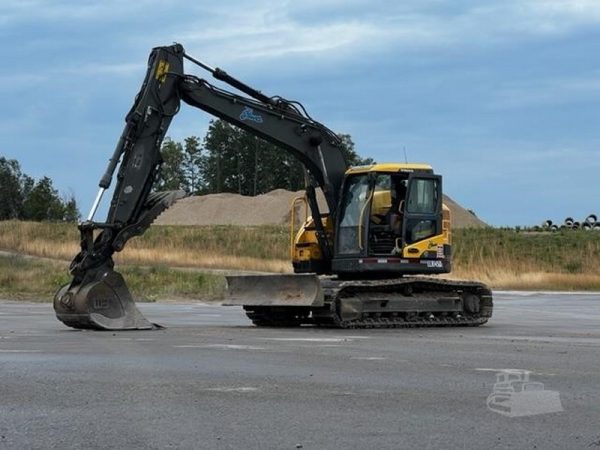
<point>359,264</point>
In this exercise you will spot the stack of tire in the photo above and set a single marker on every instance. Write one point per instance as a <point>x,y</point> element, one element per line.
<point>590,223</point>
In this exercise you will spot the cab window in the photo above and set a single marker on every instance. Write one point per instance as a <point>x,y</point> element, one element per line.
<point>423,197</point>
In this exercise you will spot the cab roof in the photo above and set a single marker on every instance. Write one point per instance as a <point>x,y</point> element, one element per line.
<point>390,168</point>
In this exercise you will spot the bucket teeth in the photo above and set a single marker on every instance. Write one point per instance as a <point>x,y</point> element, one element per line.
<point>101,301</point>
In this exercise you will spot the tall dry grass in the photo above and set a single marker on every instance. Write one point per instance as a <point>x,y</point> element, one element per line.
<point>262,249</point>
<point>57,241</point>
<point>506,259</point>
<point>223,247</point>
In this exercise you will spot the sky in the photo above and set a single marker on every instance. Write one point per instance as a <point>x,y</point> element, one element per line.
<point>501,97</point>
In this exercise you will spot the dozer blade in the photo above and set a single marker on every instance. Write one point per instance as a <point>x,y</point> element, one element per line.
<point>101,301</point>
<point>274,290</point>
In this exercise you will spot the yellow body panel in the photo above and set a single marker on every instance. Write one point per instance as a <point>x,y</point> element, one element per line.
<point>426,245</point>
<point>306,246</point>
<point>431,243</point>
<point>388,167</point>
<point>446,224</point>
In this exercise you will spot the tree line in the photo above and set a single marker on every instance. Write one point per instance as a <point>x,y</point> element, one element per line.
<point>22,197</point>
<point>230,159</point>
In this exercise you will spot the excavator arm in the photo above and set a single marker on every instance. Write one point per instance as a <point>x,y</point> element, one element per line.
<point>133,206</point>
<point>98,297</point>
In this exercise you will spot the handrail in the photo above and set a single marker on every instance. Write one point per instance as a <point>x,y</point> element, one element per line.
<point>362,214</point>
<point>293,220</point>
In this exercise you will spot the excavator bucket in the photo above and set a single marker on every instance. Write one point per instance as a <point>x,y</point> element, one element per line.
<point>101,302</point>
<point>274,290</point>
<point>98,297</point>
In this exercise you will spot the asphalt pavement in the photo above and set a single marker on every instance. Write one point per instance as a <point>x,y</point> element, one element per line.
<point>530,378</point>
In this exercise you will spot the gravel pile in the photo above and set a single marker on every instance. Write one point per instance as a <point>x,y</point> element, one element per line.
<point>272,208</point>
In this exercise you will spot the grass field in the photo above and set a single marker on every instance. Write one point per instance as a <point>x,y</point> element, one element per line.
<point>507,259</point>
<point>216,247</point>
<point>24,278</point>
<point>504,259</point>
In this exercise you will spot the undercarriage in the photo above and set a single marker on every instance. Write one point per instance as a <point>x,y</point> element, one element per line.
<point>396,303</point>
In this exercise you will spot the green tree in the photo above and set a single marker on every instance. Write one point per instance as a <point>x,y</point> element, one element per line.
<point>71,211</point>
<point>171,176</point>
<point>22,198</point>
<point>191,165</point>
<point>43,202</point>
<point>13,189</point>
<point>217,164</point>
<point>238,161</point>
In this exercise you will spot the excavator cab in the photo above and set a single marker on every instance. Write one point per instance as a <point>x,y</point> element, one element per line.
<point>371,214</point>
<point>390,222</point>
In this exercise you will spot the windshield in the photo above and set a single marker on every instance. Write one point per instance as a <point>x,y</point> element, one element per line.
<point>354,200</point>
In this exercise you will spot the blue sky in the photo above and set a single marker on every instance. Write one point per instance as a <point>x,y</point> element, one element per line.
<point>501,97</point>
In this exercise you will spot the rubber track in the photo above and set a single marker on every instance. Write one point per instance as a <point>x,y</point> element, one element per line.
<point>335,290</point>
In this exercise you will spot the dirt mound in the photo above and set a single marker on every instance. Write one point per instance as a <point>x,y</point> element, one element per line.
<point>230,209</point>
<point>461,217</point>
<point>272,208</point>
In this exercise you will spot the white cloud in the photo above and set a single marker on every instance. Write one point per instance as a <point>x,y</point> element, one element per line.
<point>273,31</point>
<point>280,39</point>
<point>262,29</point>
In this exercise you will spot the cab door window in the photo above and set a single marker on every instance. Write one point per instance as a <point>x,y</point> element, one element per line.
<point>423,209</point>
<point>423,196</point>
